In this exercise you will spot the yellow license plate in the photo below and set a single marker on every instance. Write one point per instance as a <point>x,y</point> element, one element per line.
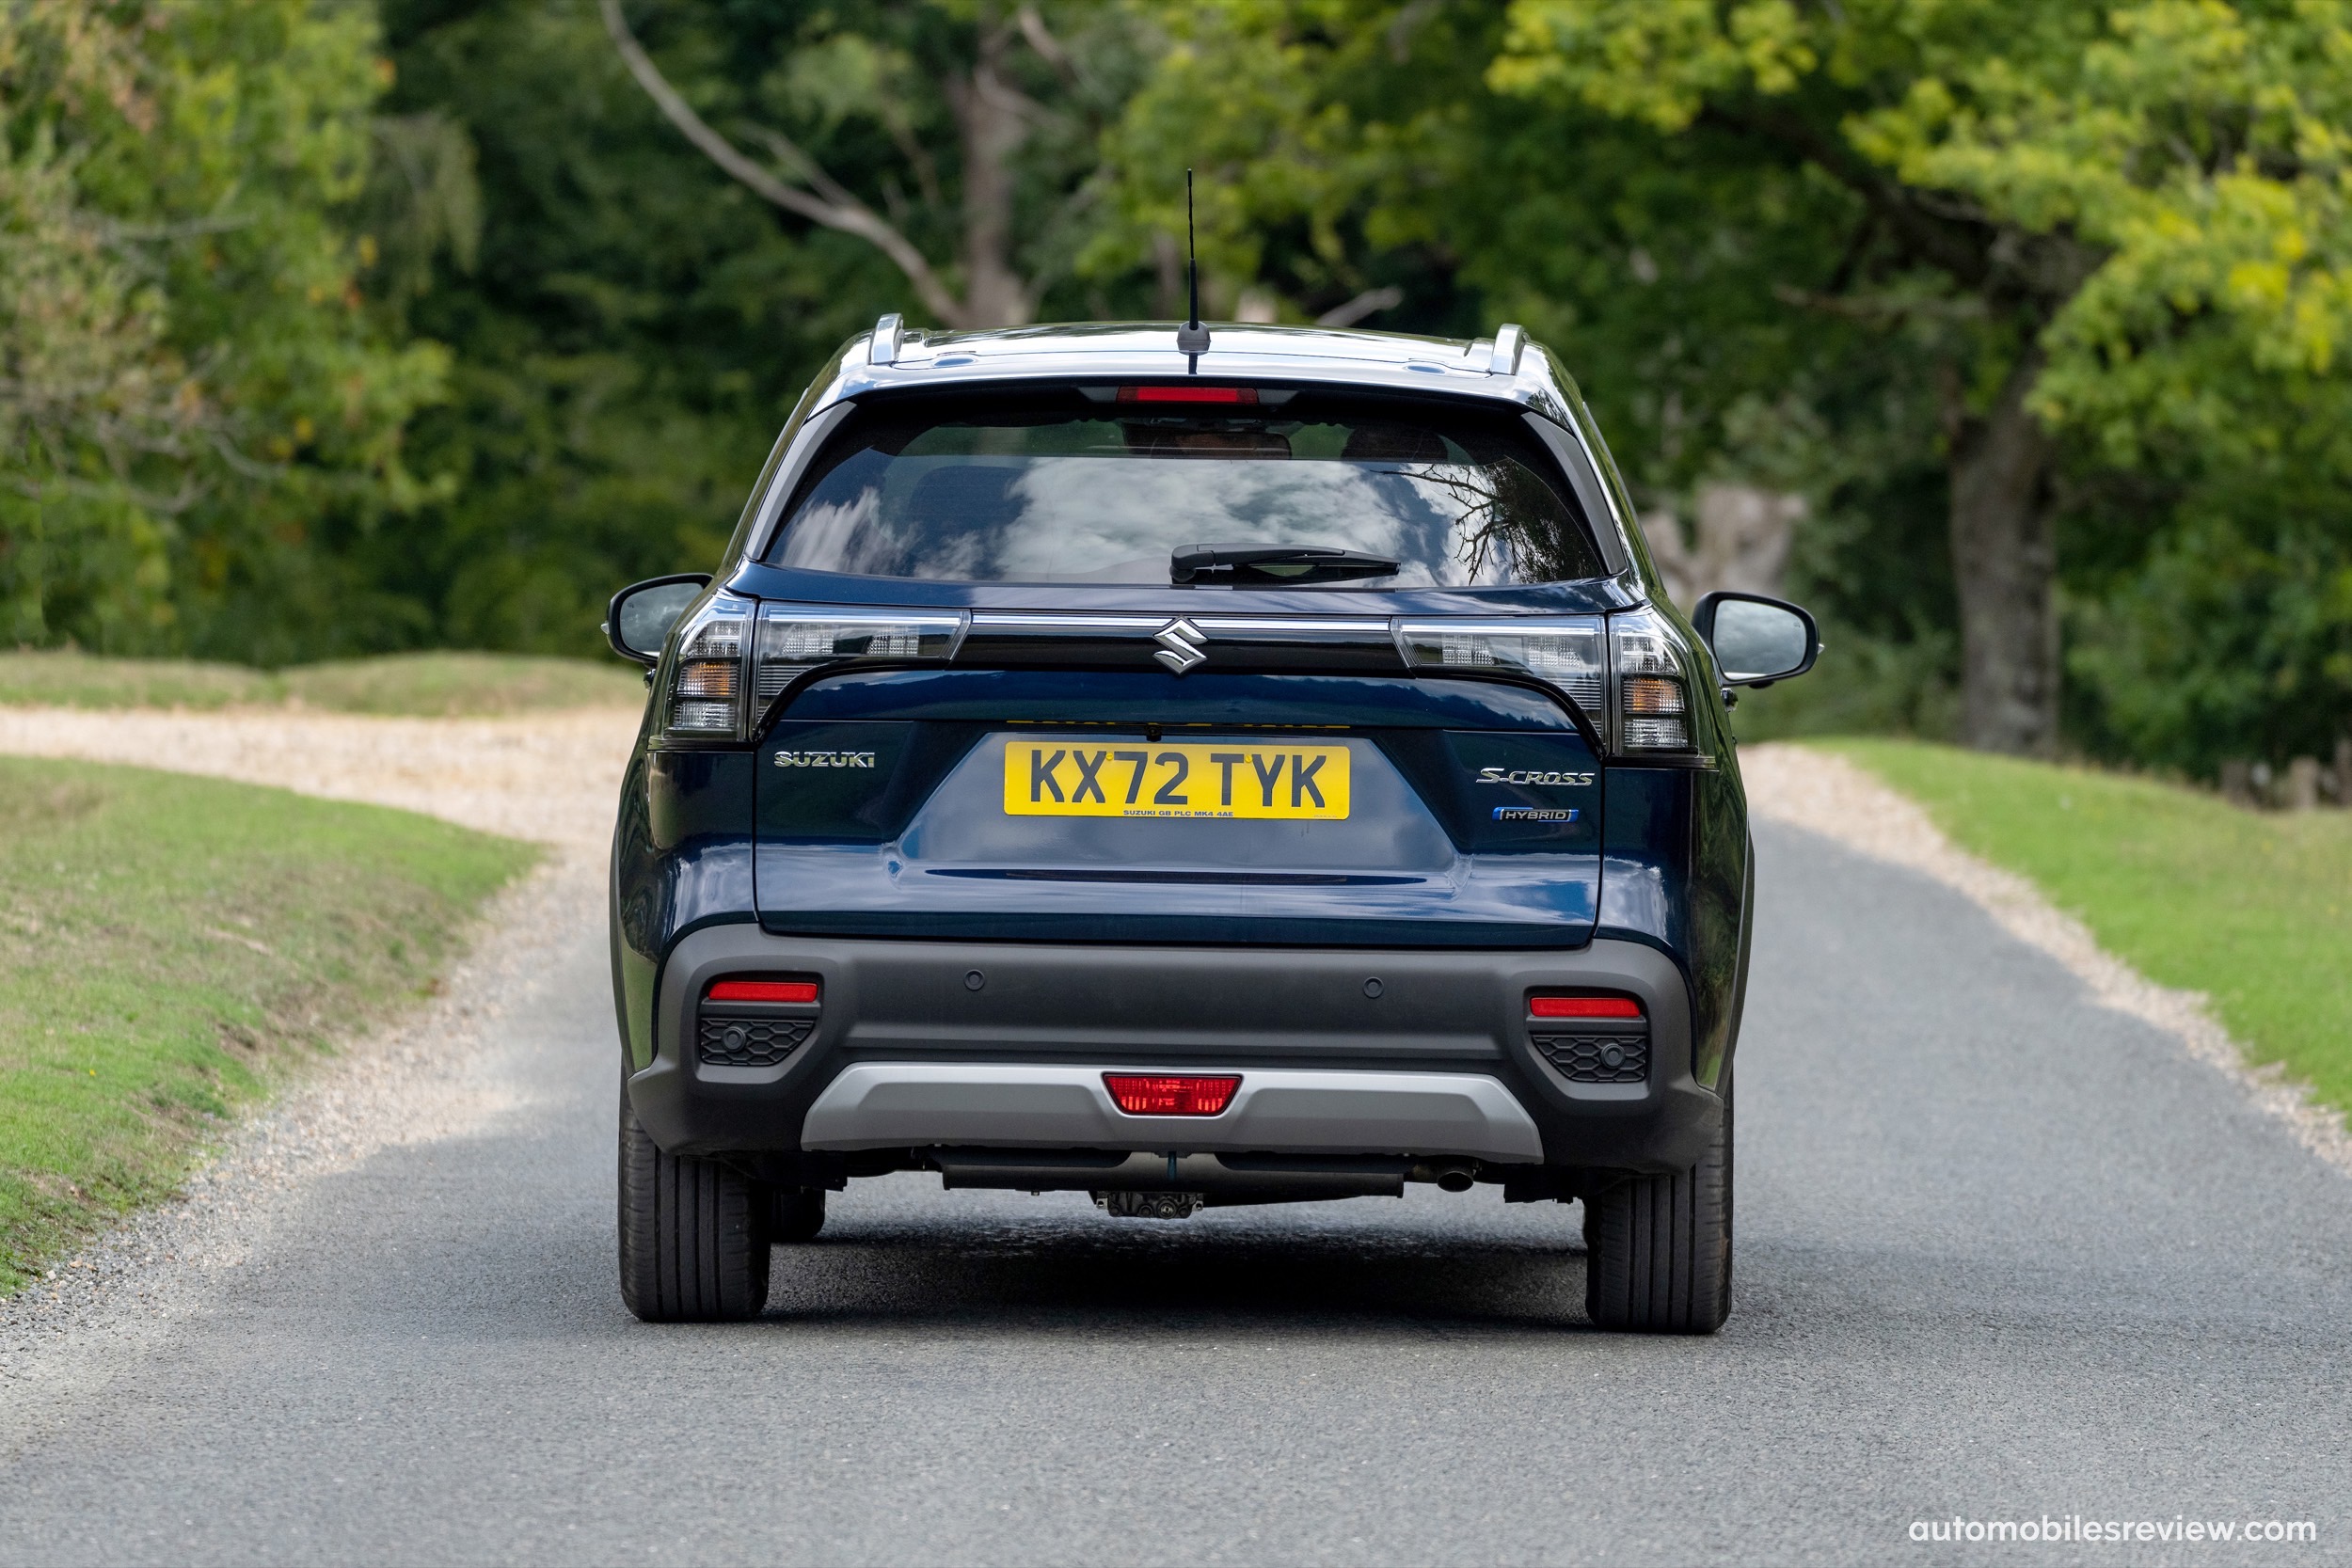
<point>1063,778</point>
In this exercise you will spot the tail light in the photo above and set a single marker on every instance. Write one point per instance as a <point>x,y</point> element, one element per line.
<point>1564,653</point>
<point>1159,1095</point>
<point>793,641</point>
<point>705,701</point>
<point>1653,684</point>
<point>727,668</point>
<point>1651,707</point>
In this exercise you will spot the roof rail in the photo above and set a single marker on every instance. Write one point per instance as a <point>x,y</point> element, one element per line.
<point>1509,340</point>
<point>882,348</point>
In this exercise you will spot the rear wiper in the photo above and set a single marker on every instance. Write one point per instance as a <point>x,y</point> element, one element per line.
<point>1271,565</point>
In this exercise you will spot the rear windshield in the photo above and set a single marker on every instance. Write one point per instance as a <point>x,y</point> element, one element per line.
<point>1109,487</point>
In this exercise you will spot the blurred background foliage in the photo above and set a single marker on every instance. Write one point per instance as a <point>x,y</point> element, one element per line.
<point>2010,336</point>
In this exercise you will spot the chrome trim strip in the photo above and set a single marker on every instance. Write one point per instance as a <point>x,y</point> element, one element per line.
<point>1233,624</point>
<point>1518,626</point>
<point>1243,625</point>
<point>1074,623</point>
<point>802,609</point>
<point>1276,1111</point>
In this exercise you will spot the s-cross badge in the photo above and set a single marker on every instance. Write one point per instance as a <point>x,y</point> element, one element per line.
<point>1180,646</point>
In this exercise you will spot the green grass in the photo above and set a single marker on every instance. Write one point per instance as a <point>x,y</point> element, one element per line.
<point>169,947</point>
<point>2253,909</point>
<point>432,685</point>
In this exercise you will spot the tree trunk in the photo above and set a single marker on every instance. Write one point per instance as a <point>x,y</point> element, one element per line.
<point>992,118</point>
<point>2005,565</point>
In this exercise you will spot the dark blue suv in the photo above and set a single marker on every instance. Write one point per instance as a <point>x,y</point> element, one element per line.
<point>1262,773</point>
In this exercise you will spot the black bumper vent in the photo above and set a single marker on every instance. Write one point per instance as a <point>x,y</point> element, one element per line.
<point>751,1041</point>
<point>1597,1058</point>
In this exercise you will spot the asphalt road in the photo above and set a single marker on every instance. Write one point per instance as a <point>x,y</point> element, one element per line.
<point>2001,1254</point>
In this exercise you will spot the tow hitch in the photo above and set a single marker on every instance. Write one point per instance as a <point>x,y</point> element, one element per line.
<point>1150,1206</point>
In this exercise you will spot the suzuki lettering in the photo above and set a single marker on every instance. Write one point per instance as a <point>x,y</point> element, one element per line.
<point>824,759</point>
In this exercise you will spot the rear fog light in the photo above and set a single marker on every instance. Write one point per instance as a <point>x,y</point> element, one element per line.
<point>763,991</point>
<point>1584,1006</point>
<point>1153,1096</point>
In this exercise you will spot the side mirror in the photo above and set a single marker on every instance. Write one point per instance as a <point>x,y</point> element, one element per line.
<point>1757,640</point>
<point>639,619</point>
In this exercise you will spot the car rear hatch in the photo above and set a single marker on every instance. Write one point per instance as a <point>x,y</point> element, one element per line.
<point>1298,782</point>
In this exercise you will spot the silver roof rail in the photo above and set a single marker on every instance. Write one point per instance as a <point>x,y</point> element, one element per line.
<point>1508,341</point>
<point>883,349</point>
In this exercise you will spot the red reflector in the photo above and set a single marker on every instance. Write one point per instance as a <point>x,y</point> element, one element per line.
<point>763,991</point>
<point>1188,394</point>
<point>1140,1096</point>
<point>1584,1006</point>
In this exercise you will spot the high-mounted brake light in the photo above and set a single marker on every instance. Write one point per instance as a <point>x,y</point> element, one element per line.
<point>1583,1006</point>
<point>1188,394</point>
<point>1152,1094</point>
<point>763,991</point>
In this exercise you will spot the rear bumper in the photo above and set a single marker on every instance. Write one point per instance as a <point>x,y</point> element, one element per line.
<point>924,1044</point>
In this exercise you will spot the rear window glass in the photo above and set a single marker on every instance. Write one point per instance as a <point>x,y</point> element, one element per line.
<point>1068,488</point>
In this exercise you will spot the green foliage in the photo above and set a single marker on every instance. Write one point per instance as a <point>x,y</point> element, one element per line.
<point>627,344</point>
<point>204,388</point>
<point>2271,895</point>
<point>168,946</point>
<point>2164,185</point>
<point>2233,638</point>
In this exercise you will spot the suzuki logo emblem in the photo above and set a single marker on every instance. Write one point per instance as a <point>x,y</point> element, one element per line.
<point>1180,646</point>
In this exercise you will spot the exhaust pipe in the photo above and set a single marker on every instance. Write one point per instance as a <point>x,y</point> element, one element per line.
<point>1451,1176</point>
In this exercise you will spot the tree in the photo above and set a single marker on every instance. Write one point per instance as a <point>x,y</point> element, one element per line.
<point>90,393</point>
<point>196,387</point>
<point>2129,225</point>
<point>990,115</point>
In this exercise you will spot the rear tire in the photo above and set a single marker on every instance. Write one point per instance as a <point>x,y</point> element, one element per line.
<point>693,1235</point>
<point>1658,1248</point>
<point>795,1214</point>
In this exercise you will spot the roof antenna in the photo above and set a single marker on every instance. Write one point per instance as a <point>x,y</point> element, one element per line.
<point>1192,339</point>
